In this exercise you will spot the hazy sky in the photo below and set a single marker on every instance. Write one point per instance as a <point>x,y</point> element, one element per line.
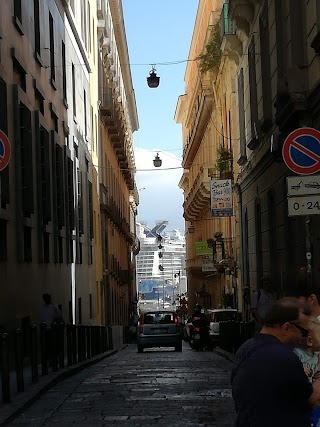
<point>159,33</point>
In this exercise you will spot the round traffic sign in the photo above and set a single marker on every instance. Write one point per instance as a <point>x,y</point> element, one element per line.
<point>301,151</point>
<point>5,150</point>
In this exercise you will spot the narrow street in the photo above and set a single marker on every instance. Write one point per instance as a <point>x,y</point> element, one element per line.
<point>159,387</point>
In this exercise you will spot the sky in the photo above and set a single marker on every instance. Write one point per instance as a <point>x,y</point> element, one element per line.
<point>159,34</point>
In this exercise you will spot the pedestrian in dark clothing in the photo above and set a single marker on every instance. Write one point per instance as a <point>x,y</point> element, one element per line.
<point>269,386</point>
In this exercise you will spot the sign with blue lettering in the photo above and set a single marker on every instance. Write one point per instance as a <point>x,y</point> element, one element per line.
<point>301,151</point>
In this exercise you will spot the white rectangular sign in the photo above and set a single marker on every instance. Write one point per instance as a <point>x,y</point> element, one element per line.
<point>221,197</point>
<point>303,185</point>
<point>304,205</point>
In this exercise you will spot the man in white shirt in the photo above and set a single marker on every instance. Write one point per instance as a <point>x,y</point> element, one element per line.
<point>50,312</point>
<point>262,300</point>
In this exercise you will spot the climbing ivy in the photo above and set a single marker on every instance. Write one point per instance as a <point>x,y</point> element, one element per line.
<point>210,58</point>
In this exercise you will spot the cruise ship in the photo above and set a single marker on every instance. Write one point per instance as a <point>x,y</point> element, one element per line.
<point>161,278</point>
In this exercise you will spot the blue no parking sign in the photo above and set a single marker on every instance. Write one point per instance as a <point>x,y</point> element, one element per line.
<point>301,151</point>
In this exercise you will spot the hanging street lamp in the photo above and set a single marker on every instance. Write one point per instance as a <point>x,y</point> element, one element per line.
<point>157,162</point>
<point>153,80</point>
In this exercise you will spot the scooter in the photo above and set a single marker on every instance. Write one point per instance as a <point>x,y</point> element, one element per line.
<point>199,338</point>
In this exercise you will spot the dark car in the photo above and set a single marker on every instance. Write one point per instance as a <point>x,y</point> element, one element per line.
<point>159,329</point>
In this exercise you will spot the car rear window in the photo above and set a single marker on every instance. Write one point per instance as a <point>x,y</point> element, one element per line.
<point>224,316</point>
<point>158,318</point>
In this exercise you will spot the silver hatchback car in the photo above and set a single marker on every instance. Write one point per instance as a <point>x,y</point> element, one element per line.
<point>220,315</point>
<point>159,329</point>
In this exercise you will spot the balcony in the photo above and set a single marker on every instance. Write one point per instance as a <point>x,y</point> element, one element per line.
<point>231,45</point>
<point>198,199</point>
<point>242,12</point>
<point>204,108</point>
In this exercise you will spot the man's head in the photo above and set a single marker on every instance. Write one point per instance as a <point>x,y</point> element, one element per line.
<point>313,341</point>
<point>286,321</point>
<point>46,298</point>
<point>310,297</point>
<point>265,284</point>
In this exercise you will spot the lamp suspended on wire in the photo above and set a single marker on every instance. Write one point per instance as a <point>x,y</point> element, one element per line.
<point>153,80</point>
<point>157,162</point>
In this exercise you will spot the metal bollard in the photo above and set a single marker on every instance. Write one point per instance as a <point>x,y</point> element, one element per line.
<point>5,370</point>
<point>88,341</point>
<point>61,345</point>
<point>79,343</point>
<point>34,354</point>
<point>74,344</point>
<point>92,341</point>
<point>43,349</point>
<point>69,344</point>
<point>53,337</point>
<point>19,360</point>
<point>84,342</point>
<point>110,337</point>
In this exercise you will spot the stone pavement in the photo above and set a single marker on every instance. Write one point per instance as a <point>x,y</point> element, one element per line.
<point>21,401</point>
<point>156,388</point>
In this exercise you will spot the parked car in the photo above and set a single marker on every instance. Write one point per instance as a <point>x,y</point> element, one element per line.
<point>159,329</point>
<point>220,315</point>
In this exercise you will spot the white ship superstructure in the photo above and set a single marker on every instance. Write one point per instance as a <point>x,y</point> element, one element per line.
<point>160,272</point>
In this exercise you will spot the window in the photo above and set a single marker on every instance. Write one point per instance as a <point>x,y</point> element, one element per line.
<point>19,74</point>
<point>52,58</point>
<point>36,13</point>
<point>27,244</point>
<point>17,17</point>
<point>60,249</point>
<point>85,113</point>
<point>3,240</point>
<point>59,175</point>
<point>45,176</point>
<point>26,161</point>
<point>265,68</point>
<point>74,92</point>
<point>253,95</point>
<point>79,311</point>
<point>90,210</point>
<point>64,74</point>
<point>258,238</point>
<point>242,124</point>
<point>46,247</point>
<point>80,202</point>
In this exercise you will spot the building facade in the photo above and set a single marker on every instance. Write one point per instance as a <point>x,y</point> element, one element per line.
<point>50,219</point>
<point>264,84</point>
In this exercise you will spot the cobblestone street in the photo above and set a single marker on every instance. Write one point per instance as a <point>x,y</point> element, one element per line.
<point>157,388</point>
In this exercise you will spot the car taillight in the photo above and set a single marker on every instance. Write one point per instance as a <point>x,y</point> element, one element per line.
<point>197,329</point>
<point>175,319</point>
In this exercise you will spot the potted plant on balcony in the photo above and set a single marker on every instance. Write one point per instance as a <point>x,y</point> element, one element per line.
<point>224,159</point>
<point>218,235</point>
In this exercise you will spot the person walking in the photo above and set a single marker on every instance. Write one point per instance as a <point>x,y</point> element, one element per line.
<point>50,312</point>
<point>269,385</point>
<point>262,300</point>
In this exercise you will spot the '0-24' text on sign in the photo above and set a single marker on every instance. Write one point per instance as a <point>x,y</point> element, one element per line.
<point>304,205</point>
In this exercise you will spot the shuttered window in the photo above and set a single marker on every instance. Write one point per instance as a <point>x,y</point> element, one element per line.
<point>265,68</point>
<point>242,129</point>
<point>253,94</point>
<point>26,158</point>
